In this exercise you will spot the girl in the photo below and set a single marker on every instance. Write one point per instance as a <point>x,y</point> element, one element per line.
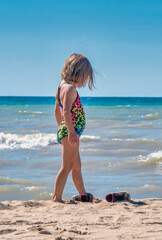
<point>77,71</point>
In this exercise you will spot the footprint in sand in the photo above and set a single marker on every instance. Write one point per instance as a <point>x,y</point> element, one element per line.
<point>77,232</point>
<point>4,206</point>
<point>5,231</point>
<point>21,222</point>
<point>105,219</point>
<point>141,212</point>
<point>32,204</point>
<point>45,232</point>
<point>121,219</point>
<point>35,228</point>
<point>40,229</point>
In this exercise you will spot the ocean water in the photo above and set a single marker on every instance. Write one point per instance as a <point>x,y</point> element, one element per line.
<point>121,147</point>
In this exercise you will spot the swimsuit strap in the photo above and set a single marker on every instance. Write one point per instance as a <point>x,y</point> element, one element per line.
<point>59,88</point>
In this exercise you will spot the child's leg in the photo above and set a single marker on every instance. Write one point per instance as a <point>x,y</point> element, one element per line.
<point>69,156</point>
<point>77,175</point>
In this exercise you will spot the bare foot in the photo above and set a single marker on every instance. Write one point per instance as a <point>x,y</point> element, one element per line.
<point>55,199</point>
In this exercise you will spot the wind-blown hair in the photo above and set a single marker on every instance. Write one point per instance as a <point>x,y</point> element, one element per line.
<point>77,69</point>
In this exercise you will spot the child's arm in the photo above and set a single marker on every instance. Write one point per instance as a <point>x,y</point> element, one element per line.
<point>57,110</point>
<point>68,99</point>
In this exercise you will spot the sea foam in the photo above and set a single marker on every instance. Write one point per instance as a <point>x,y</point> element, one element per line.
<point>151,159</point>
<point>88,137</point>
<point>151,116</point>
<point>32,141</point>
<point>15,141</point>
<point>136,140</point>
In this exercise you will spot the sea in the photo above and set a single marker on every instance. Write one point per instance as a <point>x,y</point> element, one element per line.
<point>121,147</point>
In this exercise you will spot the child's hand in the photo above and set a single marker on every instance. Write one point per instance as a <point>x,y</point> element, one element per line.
<point>73,139</point>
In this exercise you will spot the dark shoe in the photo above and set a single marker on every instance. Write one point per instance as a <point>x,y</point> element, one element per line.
<point>116,197</point>
<point>86,197</point>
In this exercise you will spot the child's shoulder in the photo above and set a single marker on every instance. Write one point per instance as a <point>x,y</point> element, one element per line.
<point>68,88</point>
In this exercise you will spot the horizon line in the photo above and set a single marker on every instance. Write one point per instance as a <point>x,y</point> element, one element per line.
<point>81,96</point>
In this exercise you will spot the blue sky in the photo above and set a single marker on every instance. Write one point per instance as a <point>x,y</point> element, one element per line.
<point>121,38</point>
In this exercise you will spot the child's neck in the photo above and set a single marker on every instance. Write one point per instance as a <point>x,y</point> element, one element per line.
<point>74,84</point>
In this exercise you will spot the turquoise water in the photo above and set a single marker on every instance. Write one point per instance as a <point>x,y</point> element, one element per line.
<point>88,101</point>
<point>121,147</point>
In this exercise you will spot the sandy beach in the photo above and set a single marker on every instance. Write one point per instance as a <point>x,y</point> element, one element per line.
<point>32,219</point>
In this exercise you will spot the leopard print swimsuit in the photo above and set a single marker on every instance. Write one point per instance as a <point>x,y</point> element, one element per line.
<point>77,114</point>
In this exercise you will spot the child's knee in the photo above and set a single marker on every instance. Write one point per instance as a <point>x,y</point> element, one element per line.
<point>77,167</point>
<point>66,168</point>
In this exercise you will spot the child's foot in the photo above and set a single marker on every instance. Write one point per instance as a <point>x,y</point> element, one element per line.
<point>55,199</point>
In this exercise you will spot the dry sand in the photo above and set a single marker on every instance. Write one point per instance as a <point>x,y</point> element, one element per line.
<point>136,219</point>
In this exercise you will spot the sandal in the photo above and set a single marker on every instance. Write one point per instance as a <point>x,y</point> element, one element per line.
<point>86,197</point>
<point>116,197</point>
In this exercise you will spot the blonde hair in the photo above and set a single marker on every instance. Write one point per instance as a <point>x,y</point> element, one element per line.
<point>77,69</point>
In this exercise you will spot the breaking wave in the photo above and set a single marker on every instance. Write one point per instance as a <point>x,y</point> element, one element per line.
<point>151,159</point>
<point>136,140</point>
<point>88,137</point>
<point>32,141</point>
<point>151,116</point>
<point>26,112</point>
<point>14,141</point>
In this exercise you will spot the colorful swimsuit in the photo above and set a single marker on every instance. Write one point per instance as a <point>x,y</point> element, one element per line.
<point>77,114</point>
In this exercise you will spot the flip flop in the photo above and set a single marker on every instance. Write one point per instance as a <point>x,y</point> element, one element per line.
<point>86,197</point>
<point>116,197</point>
